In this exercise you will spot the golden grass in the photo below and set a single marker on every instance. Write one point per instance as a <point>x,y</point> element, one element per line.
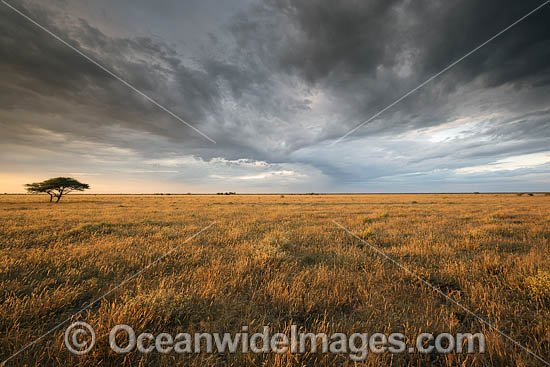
<point>274,260</point>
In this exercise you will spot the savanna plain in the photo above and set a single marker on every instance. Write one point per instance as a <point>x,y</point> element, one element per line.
<point>276,260</point>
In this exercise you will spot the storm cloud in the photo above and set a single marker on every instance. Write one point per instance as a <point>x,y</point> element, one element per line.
<point>275,82</point>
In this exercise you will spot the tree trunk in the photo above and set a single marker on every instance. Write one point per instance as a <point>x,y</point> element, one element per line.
<point>60,194</point>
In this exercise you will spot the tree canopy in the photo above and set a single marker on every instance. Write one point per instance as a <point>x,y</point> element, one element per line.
<point>56,187</point>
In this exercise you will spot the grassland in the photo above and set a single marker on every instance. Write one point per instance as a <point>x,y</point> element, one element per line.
<point>272,260</point>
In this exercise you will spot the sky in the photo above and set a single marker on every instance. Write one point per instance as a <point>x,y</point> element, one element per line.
<point>276,84</point>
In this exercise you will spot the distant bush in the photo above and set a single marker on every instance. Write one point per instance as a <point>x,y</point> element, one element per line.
<point>282,196</point>
<point>530,194</point>
<point>547,194</point>
<point>227,193</point>
<point>519,193</point>
<point>415,202</point>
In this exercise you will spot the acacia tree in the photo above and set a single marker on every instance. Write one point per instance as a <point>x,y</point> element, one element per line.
<point>56,187</point>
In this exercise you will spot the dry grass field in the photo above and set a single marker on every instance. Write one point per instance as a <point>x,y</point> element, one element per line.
<point>275,260</point>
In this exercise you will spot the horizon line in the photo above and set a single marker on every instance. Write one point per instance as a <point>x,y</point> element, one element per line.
<point>296,193</point>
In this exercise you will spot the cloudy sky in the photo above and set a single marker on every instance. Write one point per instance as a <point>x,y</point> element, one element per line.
<point>276,83</point>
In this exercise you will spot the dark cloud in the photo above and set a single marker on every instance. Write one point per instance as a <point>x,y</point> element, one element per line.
<point>275,80</point>
<point>39,69</point>
<point>357,50</point>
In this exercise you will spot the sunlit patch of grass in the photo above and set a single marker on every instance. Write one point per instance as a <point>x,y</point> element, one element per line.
<point>272,246</point>
<point>368,233</point>
<point>538,286</point>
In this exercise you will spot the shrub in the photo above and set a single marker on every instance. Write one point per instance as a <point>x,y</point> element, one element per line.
<point>538,286</point>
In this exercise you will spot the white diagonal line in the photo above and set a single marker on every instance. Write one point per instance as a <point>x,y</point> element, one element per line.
<point>108,71</point>
<point>438,74</point>
<point>425,282</point>
<point>105,295</point>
